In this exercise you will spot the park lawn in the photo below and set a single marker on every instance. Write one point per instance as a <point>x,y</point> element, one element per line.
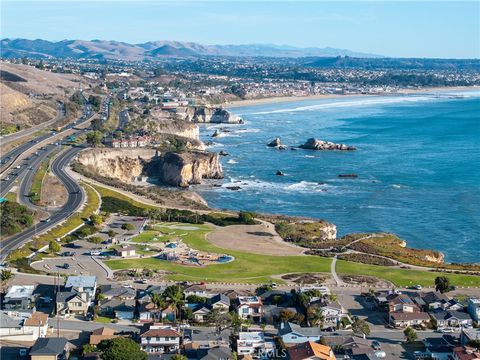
<point>103,319</point>
<point>404,277</point>
<point>141,249</point>
<point>147,236</point>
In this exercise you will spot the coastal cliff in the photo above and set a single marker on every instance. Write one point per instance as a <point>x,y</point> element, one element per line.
<point>122,164</point>
<point>184,169</point>
<point>172,168</point>
<point>204,114</point>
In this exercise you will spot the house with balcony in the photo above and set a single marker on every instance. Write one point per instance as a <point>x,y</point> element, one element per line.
<point>71,303</point>
<point>20,297</point>
<point>253,343</point>
<point>160,339</point>
<point>249,307</point>
<point>85,285</point>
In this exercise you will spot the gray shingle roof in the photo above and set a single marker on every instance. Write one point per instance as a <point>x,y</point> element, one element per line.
<point>48,346</point>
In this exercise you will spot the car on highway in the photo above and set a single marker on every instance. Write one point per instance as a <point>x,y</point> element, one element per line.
<point>6,179</point>
<point>18,167</point>
<point>46,220</point>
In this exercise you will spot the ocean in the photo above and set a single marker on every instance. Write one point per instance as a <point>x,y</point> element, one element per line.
<point>417,164</point>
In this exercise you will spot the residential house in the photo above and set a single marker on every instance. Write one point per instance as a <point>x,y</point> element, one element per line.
<point>126,251</point>
<point>12,328</point>
<point>459,318</point>
<point>219,301</point>
<point>353,346</point>
<point>19,297</point>
<point>467,335</point>
<point>204,338</point>
<point>103,333</point>
<point>215,353</point>
<point>438,348</point>
<point>54,348</point>
<point>37,324</point>
<point>149,312</point>
<point>120,292</point>
<point>200,313</point>
<point>401,303</point>
<point>71,303</point>
<point>295,334</point>
<point>83,284</point>
<point>333,312</point>
<point>196,289</point>
<point>249,307</point>
<point>473,308</point>
<point>435,300</point>
<point>403,320</point>
<point>465,353</point>
<point>118,308</point>
<point>160,339</point>
<point>253,342</point>
<point>310,350</point>
<point>146,295</point>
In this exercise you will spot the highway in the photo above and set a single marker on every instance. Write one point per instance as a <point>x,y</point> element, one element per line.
<point>75,200</point>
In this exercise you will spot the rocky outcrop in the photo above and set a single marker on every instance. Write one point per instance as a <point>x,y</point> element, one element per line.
<point>184,169</point>
<point>204,114</point>
<point>275,142</point>
<point>315,144</point>
<point>122,164</point>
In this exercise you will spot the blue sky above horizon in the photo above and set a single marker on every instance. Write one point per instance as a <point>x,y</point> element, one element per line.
<point>400,29</point>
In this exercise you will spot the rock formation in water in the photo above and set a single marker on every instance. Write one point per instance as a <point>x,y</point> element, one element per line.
<point>315,144</point>
<point>184,169</point>
<point>275,142</point>
<point>204,114</point>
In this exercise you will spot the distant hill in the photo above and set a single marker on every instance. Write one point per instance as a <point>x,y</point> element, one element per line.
<point>106,49</point>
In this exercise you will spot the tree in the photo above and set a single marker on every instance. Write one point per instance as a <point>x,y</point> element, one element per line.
<point>87,348</point>
<point>218,318</point>
<point>128,226</point>
<point>315,316</point>
<point>410,334</point>
<point>178,357</point>
<point>174,295</point>
<point>236,322</point>
<point>5,275</point>
<point>94,138</point>
<point>54,246</point>
<point>196,299</point>
<point>286,315</point>
<point>96,219</point>
<point>247,218</point>
<point>360,326</point>
<point>442,284</point>
<point>111,233</point>
<point>121,349</point>
<point>96,240</point>
<point>160,304</point>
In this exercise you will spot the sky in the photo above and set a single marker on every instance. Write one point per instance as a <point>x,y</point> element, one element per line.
<point>399,29</point>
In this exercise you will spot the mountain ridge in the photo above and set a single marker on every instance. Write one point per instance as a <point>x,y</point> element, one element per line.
<point>111,49</point>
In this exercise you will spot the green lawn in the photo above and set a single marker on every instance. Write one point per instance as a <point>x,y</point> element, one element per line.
<point>147,236</point>
<point>253,268</point>
<point>404,277</point>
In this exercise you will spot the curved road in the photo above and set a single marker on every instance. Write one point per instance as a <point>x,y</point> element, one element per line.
<point>75,200</point>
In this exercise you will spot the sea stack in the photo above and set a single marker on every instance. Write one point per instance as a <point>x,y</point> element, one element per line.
<point>315,144</point>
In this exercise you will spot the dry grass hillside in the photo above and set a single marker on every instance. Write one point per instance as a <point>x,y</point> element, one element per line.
<point>28,95</point>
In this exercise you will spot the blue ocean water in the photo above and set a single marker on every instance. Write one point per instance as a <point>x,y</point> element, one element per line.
<point>417,163</point>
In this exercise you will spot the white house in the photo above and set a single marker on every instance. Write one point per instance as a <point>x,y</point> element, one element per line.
<point>253,343</point>
<point>295,334</point>
<point>19,297</point>
<point>160,339</point>
<point>249,307</point>
<point>23,329</point>
<point>333,313</point>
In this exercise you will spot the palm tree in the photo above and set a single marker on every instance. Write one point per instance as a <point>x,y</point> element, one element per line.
<point>175,296</point>
<point>160,304</point>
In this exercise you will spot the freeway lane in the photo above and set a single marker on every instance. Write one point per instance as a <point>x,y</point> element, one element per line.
<point>75,200</point>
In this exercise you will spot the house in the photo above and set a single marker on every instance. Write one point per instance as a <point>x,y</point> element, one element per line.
<point>196,289</point>
<point>465,353</point>
<point>333,313</point>
<point>310,350</point>
<point>473,308</point>
<point>37,324</point>
<point>215,353</point>
<point>295,334</point>
<point>249,307</point>
<point>467,335</point>
<point>103,333</point>
<point>71,303</point>
<point>19,297</point>
<point>354,346</point>
<point>146,295</point>
<point>435,300</point>
<point>219,301</point>
<point>50,349</point>
<point>12,328</point>
<point>83,284</point>
<point>459,318</point>
<point>253,342</point>
<point>114,291</point>
<point>160,339</point>
<point>403,320</point>
<point>204,338</point>
<point>120,309</point>
<point>125,251</point>
<point>438,348</point>
<point>402,303</point>
<point>200,314</point>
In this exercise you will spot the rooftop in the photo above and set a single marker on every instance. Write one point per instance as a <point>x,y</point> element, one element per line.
<point>20,291</point>
<point>81,281</point>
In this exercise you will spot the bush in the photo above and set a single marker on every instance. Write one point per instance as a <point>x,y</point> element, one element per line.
<point>54,246</point>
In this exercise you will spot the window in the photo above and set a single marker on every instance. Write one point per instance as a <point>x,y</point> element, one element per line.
<point>245,310</point>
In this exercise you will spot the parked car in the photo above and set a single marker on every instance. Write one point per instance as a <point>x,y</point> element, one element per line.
<point>68,253</point>
<point>95,252</point>
<point>66,266</point>
<point>22,352</point>
<point>376,345</point>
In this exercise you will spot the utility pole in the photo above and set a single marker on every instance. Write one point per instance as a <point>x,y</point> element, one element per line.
<point>58,315</point>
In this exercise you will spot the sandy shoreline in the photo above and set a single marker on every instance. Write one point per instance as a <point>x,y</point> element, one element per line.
<point>285,99</point>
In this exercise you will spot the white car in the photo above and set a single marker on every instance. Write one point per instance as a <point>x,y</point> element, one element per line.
<point>447,330</point>
<point>95,252</point>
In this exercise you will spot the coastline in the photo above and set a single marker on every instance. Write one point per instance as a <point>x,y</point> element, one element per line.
<point>286,99</point>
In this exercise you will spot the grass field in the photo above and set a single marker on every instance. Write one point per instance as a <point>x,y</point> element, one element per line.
<point>253,268</point>
<point>404,277</point>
